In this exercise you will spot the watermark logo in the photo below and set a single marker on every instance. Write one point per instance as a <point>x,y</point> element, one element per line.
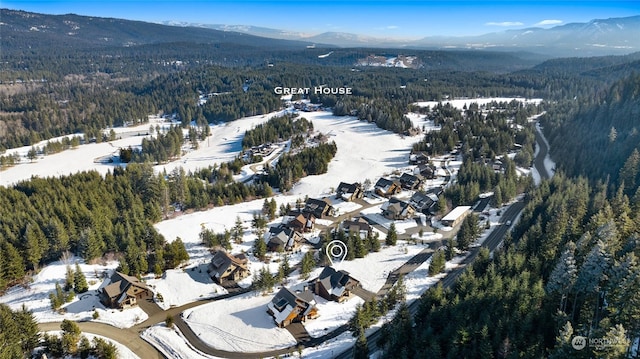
<point>579,342</point>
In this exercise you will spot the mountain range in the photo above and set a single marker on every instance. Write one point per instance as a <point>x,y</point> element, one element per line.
<point>20,30</point>
<point>596,37</point>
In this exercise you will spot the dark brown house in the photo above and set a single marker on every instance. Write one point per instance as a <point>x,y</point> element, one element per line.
<point>283,239</point>
<point>301,222</point>
<point>349,191</point>
<point>396,209</point>
<point>359,227</point>
<point>226,269</point>
<point>288,307</point>
<point>411,182</point>
<point>123,292</point>
<point>387,188</point>
<point>335,285</point>
<point>320,208</point>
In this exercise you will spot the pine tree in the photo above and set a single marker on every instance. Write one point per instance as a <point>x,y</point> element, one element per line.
<point>70,336</point>
<point>68,278</point>
<point>237,231</point>
<point>361,349</point>
<point>307,265</point>
<point>392,235</point>
<point>79,281</point>
<point>260,248</point>
<point>437,264</point>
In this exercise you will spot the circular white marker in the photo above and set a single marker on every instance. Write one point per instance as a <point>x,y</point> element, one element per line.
<point>336,252</point>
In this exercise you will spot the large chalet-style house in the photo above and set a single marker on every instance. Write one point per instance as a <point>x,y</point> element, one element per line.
<point>335,285</point>
<point>396,209</point>
<point>410,182</point>
<point>358,226</point>
<point>387,188</point>
<point>288,307</point>
<point>226,269</point>
<point>427,171</point>
<point>424,202</point>
<point>283,239</point>
<point>349,191</point>
<point>320,208</point>
<point>300,221</point>
<point>123,292</point>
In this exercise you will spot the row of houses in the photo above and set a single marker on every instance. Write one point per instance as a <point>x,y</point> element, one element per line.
<point>291,306</point>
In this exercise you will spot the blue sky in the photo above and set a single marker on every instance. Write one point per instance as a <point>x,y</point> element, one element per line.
<point>398,19</point>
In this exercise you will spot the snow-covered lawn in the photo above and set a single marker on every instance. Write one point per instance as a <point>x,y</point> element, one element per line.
<point>239,324</point>
<point>372,271</point>
<point>374,214</point>
<point>178,287</point>
<point>36,297</point>
<point>332,315</point>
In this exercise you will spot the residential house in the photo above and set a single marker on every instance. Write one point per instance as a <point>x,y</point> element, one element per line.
<point>410,182</point>
<point>300,221</point>
<point>320,208</point>
<point>123,292</point>
<point>359,226</point>
<point>283,239</point>
<point>418,158</point>
<point>349,191</point>
<point>395,209</point>
<point>427,171</point>
<point>335,285</point>
<point>387,188</point>
<point>424,202</point>
<point>226,269</point>
<point>288,307</point>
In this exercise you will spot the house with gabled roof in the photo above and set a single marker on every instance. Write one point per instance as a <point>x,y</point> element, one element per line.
<point>320,208</point>
<point>427,171</point>
<point>418,158</point>
<point>396,209</point>
<point>124,291</point>
<point>424,202</point>
<point>288,307</point>
<point>387,188</point>
<point>226,269</point>
<point>300,221</point>
<point>410,182</point>
<point>335,285</point>
<point>358,226</point>
<point>283,239</point>
<point>349,191</point>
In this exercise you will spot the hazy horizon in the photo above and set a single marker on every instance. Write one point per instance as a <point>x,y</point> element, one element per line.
<point>399,20</point>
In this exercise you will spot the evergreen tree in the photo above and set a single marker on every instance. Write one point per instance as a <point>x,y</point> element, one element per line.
<point>437,264</point>
<point>361,349</point>
<point>79,281</point>
<point>392,235</point>
<point>237,231</point>
<point>307,265</point>
<point>68,278</point>
<point>260,248</point>
<point>70,336</point>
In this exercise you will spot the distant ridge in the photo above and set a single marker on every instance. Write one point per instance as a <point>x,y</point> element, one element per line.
<point>613,36</point>
<point>21,30</point>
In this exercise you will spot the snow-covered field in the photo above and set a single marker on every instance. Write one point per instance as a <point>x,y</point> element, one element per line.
<point>239,324</point>
<point>36,297</point>
<point>332,315</point>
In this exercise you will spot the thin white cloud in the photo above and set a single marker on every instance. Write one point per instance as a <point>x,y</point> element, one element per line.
<point>548,22</point>
<point>392,27</point>
<point>504,23</point>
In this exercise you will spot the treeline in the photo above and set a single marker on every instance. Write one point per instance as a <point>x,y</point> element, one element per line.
<point>291,168</point>
<point>159,149</point>
<point>276,129</point>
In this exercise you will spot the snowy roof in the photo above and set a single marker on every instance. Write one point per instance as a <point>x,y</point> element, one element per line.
<point>456,213</point>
